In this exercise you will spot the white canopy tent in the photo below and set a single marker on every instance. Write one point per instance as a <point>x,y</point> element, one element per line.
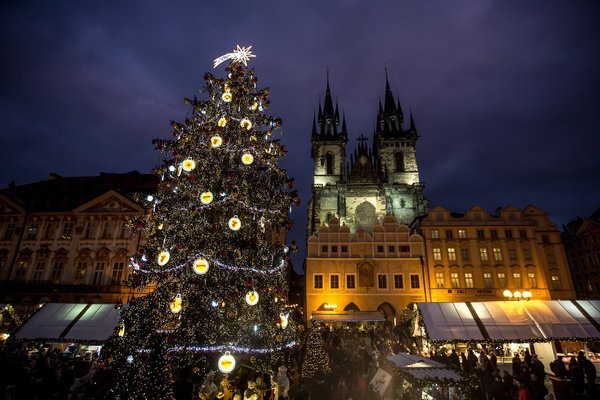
<point>421,368</point>
<point>71,322</point>
<point>515,321</point>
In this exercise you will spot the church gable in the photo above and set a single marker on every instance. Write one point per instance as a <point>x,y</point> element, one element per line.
<point>109,202</point>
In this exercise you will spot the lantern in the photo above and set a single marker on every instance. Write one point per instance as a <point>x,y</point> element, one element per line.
<point>201,266</point>
<point>252,298</point>
<point>176,304</point>
<point>282,321</point>
<point>188,165</point>
<point>206,198</point>
<point>216,141</point>
<point>234,223</point>
<point>226,363</point>
<point>247,158</point>
<point>163,257</point>
<point>222,122</point>
<point>246,124</point>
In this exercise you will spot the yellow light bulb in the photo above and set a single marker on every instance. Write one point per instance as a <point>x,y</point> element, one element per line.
<point>201,266</point>
<point>222,122</point>
<point>246,124</point>
<point>188,165</point>
<point>206,198</point>
<point>216,141</point>
<point>247,158</point>
<point>163,257</point>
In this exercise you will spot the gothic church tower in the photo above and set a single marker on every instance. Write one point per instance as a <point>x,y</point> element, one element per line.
<point>374,183</point>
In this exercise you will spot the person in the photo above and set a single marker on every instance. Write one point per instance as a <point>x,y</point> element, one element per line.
<point>516,365</point>
<point>527,358</point>
<point>537,389</point>
<point>509,385</point>
<point>465,363</point>
<point>498,388</point>
<point>588,368</point>
<point>524,393</point>
<point>577,378</point>
<point>538,368</point>
<point>494,360</point>
<point>454,361</point>
<point>558,367</point>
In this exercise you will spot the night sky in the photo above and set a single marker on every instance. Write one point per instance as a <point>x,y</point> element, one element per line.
<point>505,94</point>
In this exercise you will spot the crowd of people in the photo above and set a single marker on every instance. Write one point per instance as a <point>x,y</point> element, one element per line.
<point>40,373</point>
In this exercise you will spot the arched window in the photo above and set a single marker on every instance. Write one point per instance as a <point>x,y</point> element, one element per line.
<point>399,161</point>
<point>329,163</point>
<point>402,203</point>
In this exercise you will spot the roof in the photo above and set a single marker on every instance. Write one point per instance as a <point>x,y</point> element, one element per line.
<point>71,322</point>
<point>65,194</point>
<point>348,316</point>
<point>424,369</point>
<point>515,321</point>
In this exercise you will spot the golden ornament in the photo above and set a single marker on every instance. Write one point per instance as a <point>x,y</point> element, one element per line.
<point>234,223</point>
<point>246,124</point>
<point>163,257</point>
<point>253,138</point>
<point>252,298</point>
<point>188,165</point>
<point>254,106</point>
<point>121,332</point>
<point>201,266</point>
<point>206,198</point>
<point>222,122</point>
<point>247,158</point>
<point>176,304</point>
<point>283,321</point>
<point>160,226</point>
<point>226,363</point>
<point>226,87</point>
<point>216,141</point>
<point>226,97</point>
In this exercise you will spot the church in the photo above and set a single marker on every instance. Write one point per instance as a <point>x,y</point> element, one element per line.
<point>374,246</point>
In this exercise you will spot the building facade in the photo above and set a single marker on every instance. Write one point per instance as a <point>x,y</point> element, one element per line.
<point>67,240</point>
<point>476,256</point>
<point>582,244</point>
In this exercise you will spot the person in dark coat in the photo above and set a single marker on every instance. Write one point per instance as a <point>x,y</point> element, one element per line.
<point>516,365</point>
<point>527,358</point>
<point>498,388</point>
<point>577,378</point>
<point>465,363</point>
<point>559,368</point>
<point>538,368</point>
<point>537,389</point>
<point>454,361</point>
<point>509,385</point>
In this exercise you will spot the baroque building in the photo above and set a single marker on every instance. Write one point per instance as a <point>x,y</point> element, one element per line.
<point>67,240</point>
<point>476,256</point>
<point>363,262</point>
<point>581,238</point>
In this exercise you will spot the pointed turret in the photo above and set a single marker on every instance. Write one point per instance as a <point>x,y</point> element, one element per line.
<point>390,105</point>
<point>329,117</point>
<point>390,117</point>
<point>344,132</point>
<point>413,128</point>
<point>314,127</point>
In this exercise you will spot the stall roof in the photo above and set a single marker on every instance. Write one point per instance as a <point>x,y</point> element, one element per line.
<point>422,368</point>
<point>348,316</point>
<point>71,321</point>
<point>512,320</point>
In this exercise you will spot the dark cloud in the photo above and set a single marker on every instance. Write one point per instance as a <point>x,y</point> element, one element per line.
<point>504,93</point>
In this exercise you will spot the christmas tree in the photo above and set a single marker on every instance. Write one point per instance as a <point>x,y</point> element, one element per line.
<point>316,362</point>
<point>215,254</point>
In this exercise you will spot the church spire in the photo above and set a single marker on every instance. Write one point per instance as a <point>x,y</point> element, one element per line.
<point>390,116</point>
<point>314,127</point>
<point>329,117</point>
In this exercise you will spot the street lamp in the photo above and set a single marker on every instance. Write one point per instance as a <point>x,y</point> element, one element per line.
<point>517,295</point>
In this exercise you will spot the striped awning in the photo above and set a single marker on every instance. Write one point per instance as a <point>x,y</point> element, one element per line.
<point>71,322</point>
<point>516,321</point>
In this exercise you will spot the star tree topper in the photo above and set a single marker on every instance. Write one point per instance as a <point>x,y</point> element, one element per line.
<point>241,54</point>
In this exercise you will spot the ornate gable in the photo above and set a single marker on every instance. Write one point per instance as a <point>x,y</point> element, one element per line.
<point>109,202</point>
<point>8,207</point>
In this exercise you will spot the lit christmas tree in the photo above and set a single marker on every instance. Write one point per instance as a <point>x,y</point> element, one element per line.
<point>316,362</point>
<point>214,255</point>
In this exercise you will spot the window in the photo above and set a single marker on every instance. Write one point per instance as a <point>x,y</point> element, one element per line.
<point>437,253</point>
<point>508,234</point>
<point>502,279</point>
<point>334,249</point>
<point>454,279</point>
<point>439,279</point>
<point>38,271</point>
<point>32,231</point>
<point>107,230</point>
<point>399,161</point>
<point>391,249</point>
<point>9,232</point>
<point>382,281</point>
<point>402,203</point>
<point>552,259</point>
<point>80,271</point>
<point>380,249</point>
<point>462,233</point>
<point>98,273</point>
<point>469,280</point>
<point>483,254</point>
<point>488,282</point>
<point>67,230</point>
<point>435,234</point>
<point>449,234</point>
<point>344,249</point>
<point>334,281</point>
<point>522,234</point>
<point>494,234</point>
<point>350,281</point>
<point>124,232</point>
<point>324,249</point>
<point>50,230</point>
<point>414,281</point>
<point>465,254</point>
<point>531,280</point>
<point>329,162</point>
<point>57,270</point>
<point>517,280</point>
<point>318,284</point>
<point>497,254</point>
<point>527,254</point>
<point>512,254</point>
<point>117,273</point>
<point>406,249</point>
<point>90,230</point>
<point>480,234</point>
<point>555,282</point>
<point>545,239</point>
<point>398,281</point>
<point>452,254</point>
